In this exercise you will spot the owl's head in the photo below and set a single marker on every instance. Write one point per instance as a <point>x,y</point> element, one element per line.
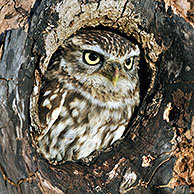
<point>102,60</point>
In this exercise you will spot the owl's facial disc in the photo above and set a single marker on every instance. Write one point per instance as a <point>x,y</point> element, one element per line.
<point>106,60</point>
<point>93,58</point>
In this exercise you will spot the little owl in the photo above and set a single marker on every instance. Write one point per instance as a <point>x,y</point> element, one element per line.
<point>88,95</point>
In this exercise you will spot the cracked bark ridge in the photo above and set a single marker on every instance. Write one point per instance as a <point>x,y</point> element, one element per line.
<point>14,14</point>
<point>155,156</point>
<point>184,8</point>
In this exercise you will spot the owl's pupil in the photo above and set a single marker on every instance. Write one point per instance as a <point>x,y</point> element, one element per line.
<point>128,61</point>
<point>93,57</point>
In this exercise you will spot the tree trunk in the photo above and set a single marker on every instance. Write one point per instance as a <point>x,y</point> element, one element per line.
<point>156,154</point>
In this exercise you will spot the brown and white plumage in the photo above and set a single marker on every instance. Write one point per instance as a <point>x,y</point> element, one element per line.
<point>88,95</point>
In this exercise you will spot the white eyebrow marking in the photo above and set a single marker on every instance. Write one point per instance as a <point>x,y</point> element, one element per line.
<point>135,52</point>
<point>95,48</point>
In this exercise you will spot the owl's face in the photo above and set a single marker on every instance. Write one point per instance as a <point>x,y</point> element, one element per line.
<point>102,60</point>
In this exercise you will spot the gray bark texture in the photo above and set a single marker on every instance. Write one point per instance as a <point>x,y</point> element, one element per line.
<point>156,155</point>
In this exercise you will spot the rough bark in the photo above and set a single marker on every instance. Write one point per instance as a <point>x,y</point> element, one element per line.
<point>156,154</point>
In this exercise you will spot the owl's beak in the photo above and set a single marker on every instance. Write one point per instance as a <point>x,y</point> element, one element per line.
<point>115,76</point>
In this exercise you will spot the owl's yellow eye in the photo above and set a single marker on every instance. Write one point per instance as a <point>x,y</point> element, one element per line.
<point>129,63</point>
<point>91,58</point>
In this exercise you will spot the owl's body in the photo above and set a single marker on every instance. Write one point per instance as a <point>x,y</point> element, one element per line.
<point>88,95</point>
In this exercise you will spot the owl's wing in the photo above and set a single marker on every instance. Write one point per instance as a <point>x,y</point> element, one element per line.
<point>51,99</point>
